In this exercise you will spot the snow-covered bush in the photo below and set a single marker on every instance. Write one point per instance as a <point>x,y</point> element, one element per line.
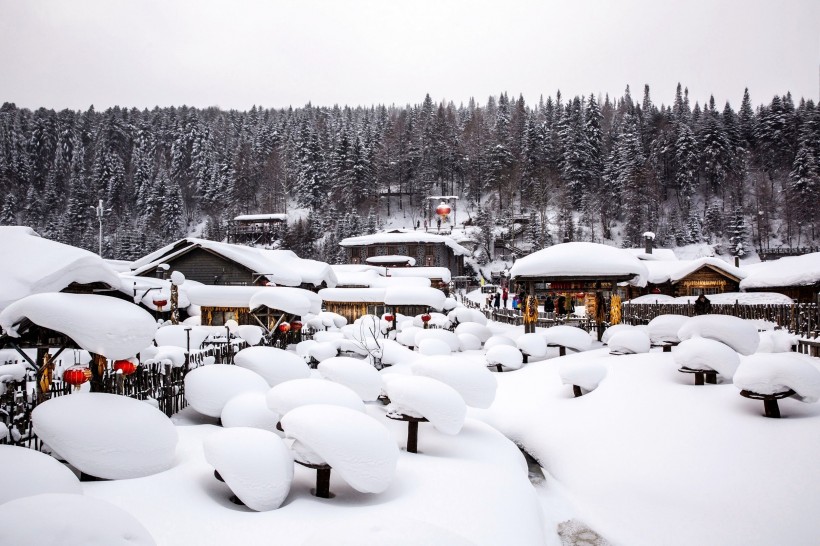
<point>612,330</point>
<point>741,335</point>
<point>274,365</point>
<point>209,388</point>
<point>509,357</point>
<point>358,375</point>
<point>474,382</point>
<point>664,328</point>
<point>418,396</point>
<point>569,337</point>
<point>700,353</point>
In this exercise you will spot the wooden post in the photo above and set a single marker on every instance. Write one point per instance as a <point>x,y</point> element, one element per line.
<point>97,366</point>
<point>412,436</point>
<point>323,483</point>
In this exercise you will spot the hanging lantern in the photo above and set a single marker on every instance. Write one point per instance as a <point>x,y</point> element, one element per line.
<point>296,326</point>
<point>579,295</point>
<point>76,376</point>
<point>125,366</point>
<point>425,318</point>
<point>284,327</point>
<point>388,317</point>
<point>443,210</point>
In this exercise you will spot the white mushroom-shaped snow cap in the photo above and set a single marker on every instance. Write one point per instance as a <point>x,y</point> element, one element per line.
<point>251,333</point>
<point>776,341</point>
<point>700,353</point>
<point>430,347</point>
<point>328,337</point>
<point>469,342</point>
<point>357,447</point>
<point>664,328</point>
<point>323,351</point>
<point>30,472</point>
<point>506,356</point>
<point>585,374</point>
<point>498,340</point>
<point>358,375</point>
<point>474,382</point>
<point>390,352</point>
<point>69,522</point>
<point>181,335</point>
<point>291,394</point>
<point>612,330</point>
<point>209,388</point>
<point>446,336</point>
<point>274,365</point>
<point>407,336</point>
<point>629,342</point>
<point>533,345</point>
<point>773,373</point>
<point>255,464</point>
<point>418,396</point>
<point>568,336</point>
<point>249,409</point>
<point>107,435</point>
<point>166,354</point>
<point>478,330</point>
<point>739,334</point>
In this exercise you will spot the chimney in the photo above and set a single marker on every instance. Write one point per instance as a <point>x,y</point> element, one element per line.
<point>649,239</point>
<point>737,261</point>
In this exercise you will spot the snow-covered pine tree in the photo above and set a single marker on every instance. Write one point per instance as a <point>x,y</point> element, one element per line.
<point>737,233</point>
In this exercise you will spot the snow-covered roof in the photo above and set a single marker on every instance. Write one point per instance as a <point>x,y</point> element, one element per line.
<point>35,265</point>
<point>588,260</point>
<point>296,301</point>
<point>223,295</point>
<point>353,295</point>
<point>144,290</point>
<point>282,267</point>
<point>442,273</point>
<point>658,254</point>
<point>391,259</point>
<point>673,271</point>
<point>396,236</point>
<point>792,271</point>
<point>261,217</point>
<point>414,295</point>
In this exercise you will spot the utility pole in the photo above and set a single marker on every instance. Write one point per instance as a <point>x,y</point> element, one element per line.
<point>100,211</point>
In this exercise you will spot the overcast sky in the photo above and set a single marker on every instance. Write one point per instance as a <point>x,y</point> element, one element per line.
<point>276,53</point>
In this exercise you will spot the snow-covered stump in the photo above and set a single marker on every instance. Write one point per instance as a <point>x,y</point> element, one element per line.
<point>567,337</point>
<point>705,358</point>
<point>663,331</point>
<point>773,376</point>
<point>583,376</point>
<point>505,356</point>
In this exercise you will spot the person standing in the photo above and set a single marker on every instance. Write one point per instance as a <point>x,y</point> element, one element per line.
<point>497,300</point>
<point>549,307</point>
<point>702,305</point>
<point>600,313</point>
<point>560,309</point>
<point>504,296</point>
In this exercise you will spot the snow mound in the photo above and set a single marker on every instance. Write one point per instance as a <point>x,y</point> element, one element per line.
<point>107,435</point>
<point>469,342</point>
<point>741,335</point>
<point>250,333</point>
<point>771,373</point>
<point>294,301</point>
<point>391,352</point>
<point>394,530</point>
<point>430,347</point>
<point>450,304</point>
<point>498,340</point>
<point>568,336</point>
<point>99,324</point>
<point>651,299</point>
<point>274,365</point>
<point>419,396</point>
<point>300,392</point>
<point>249,409</point>
<point>407,336</point>
<point>303,347</point>
<point>776,341</point>
<point>664,328</point>
<point>586,374</point>
<point>356,374</point>
<point>323,351</point>
<point>478,330</point>
<point>629,342</point>
<point>166,355</point>
<point>29,472</point>
<point>612,330</point>
<point>437,320</point>
<point>700,353</point>
<point>177,335</point>
<point>255,464</point>
<point>72,520</point>
<point>327,337</point>
<point>356,446</point>
<point>465,314</point>
<point>533,345</point>
<point>209,388</point>
<point>508,356</point>
<point>444,335</point>
<point>474,382</point>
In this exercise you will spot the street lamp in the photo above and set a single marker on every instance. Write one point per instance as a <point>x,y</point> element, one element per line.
<point>100,212</point>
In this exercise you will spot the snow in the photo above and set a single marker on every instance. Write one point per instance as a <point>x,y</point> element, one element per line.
<point>11,372</point>
<point>568,336</point>
<point>107,435</point>
<point>300,392</point>
<point>407,335</point>
<point>399,236</point>
<point>772,373</point>
<point>323,350</point>
<point>790,271</point>
<point>358,448</point>
<point>353,295</point>
<point>663,271</point>
<point>418,396</point>
<point>776,341</point>
<point>295,301</point>
<point>664,328</point>
<point>249,409</point>
<point>742,298</point>
<point>69,520</point>
<point>356,374</point>
<point>206,295</point>
<point>414,295</point>
<point>261,217</point>
<point>474,382</point>
<point>614,329</point>
<point>391,259</point>
<point>478,330</point>
<point>465,314</point>
<point>432,346</point>
<point>328,337</point>
<point>498,340</point>
<point>208,388</point>
<point>429,272</point>
<point>274,365</point>
<point>531,344</point>
<point>28,472</point>
<point>176,334</point>
<point>144,290</point>
<point>165,354</point>
<point>98,324</point>
<point>741,335</point>
<point>652,298</point>
<point>251,333</point>
<point>469,342</point>
<point>629,342</point>
<point>510,357</point>
<point>41,265</point>
<point>255,464</point>
<point>587,375</point>
<point>700,353</point>
<point>567,260</point>
<point>446,336</point>
<point>392,529</point>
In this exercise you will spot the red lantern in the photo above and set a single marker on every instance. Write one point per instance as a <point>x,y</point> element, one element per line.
<point>388,317</point>
<point>284,327</point>
<point>443,210</point>
<point>579,295</point>
<point>160,304</point>
<point>76,375</point>
<point>125,366</point>
<point>295,325</point>
<point>425,317</point>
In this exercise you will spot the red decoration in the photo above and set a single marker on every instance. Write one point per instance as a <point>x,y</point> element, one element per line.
<point>579,295</point>
<point>388,317</point>
<point>295,325</point>
<point>76,375</point>
<point>284,327</point>
<point>160,303</point>
<point>443,210</point>
<point>125,366</point>
<point>425,317</point>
